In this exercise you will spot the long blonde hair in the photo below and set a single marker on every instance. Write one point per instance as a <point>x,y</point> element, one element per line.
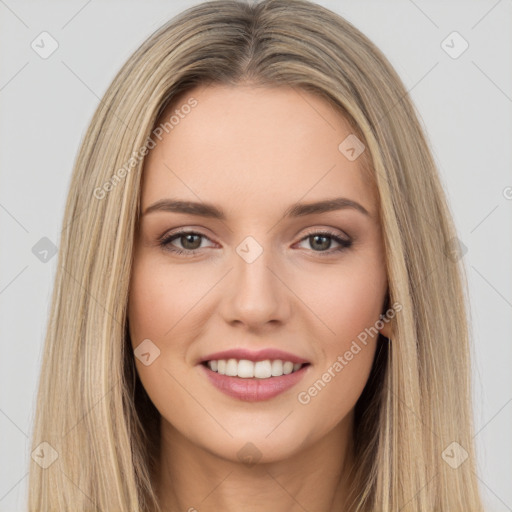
<point>91,408</point>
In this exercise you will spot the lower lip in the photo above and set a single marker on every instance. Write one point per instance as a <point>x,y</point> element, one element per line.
<point>254,390</point>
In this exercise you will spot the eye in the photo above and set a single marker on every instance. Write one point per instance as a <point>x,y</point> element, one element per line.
<point>191,241</point>
<point>322,240</point>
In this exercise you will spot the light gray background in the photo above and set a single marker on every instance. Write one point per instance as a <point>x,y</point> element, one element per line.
<point>46,105</point>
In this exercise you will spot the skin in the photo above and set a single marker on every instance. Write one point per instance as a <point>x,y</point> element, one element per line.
<point>254,152</point>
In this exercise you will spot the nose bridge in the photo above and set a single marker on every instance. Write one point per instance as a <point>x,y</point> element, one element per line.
<point>256,294</point>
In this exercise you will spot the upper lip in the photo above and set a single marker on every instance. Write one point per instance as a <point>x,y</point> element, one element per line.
<point>259,355</point>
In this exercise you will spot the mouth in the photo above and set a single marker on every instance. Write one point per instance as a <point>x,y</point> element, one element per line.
<point>253,381</point>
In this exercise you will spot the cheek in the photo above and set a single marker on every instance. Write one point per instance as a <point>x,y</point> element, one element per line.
<point>356,304</point>
<point>349,302</point>
<point>346,298</point>
<point>154,308</point>
<point>160,299</point>
<point>346,359</point>
<point>332,392</point>
<point>152,311</point>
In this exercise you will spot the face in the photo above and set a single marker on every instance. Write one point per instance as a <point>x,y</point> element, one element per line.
<point>257,279</point>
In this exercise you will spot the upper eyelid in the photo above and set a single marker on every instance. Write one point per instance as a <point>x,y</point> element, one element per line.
<point>176,234</point>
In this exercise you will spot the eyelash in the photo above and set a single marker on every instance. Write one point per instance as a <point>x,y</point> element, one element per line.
<point>166,240</point>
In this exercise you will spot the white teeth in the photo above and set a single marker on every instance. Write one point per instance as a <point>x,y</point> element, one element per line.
<point>287,367</point>
<point>277,368</point>
<point>232,367</point>
<point>263,369</point>
<point>246,369</point>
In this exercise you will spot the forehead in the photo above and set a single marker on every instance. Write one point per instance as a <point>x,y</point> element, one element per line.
<point>243,146</point>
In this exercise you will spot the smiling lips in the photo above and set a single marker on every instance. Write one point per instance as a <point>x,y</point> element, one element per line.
<point>254,376</point>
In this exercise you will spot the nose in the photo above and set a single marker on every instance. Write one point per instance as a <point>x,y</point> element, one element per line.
<point>256,293</point>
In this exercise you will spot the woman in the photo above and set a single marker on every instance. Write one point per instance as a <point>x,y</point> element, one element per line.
<point>311,351</point>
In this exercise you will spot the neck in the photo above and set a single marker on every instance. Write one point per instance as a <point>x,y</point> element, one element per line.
<point>316,477</point>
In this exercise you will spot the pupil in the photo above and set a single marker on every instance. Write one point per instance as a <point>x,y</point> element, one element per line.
<point>188,238</point>
<point>326,244</point>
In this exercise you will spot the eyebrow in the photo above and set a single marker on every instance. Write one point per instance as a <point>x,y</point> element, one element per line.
<point>296,210</point>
